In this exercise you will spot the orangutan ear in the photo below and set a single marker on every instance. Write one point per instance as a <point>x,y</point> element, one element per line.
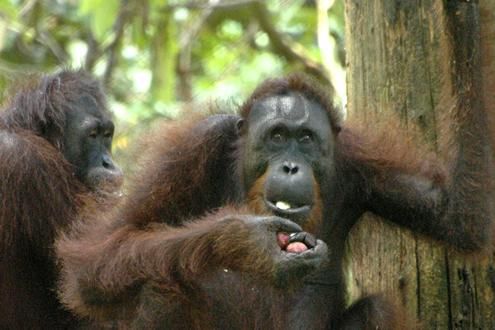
<point>241,126</point>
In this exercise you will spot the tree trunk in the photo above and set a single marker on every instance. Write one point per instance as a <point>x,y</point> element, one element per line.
<point>399,54</point>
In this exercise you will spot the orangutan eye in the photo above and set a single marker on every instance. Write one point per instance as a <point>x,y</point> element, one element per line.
<point>278,136</point>
<point>108,134</point>
<point>306,138</point>
<point>93,133</point>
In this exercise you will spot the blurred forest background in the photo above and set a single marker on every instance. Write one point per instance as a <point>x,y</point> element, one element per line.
<point>155,56</point>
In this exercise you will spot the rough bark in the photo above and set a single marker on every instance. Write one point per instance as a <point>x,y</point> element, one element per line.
<point>398,57</point>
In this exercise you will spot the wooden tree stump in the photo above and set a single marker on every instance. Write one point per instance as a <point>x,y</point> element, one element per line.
<point>400,56</point>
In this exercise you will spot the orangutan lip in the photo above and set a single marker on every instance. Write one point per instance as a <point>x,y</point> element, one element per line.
<point>287,209</point>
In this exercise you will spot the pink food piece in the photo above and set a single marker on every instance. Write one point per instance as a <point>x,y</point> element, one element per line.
<point>283,240</point>
<point>296,247</point>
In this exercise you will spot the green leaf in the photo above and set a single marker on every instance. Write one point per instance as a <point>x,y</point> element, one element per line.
<point>101,14</point>
<point>7,9</point>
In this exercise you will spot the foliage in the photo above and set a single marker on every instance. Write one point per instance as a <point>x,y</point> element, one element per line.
<point>154,55</point>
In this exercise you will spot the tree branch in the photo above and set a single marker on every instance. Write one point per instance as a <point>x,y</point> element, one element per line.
<point>93,53</point>
<point>231,5</point>
<point>45,38</point>
<point>113,48</point>
<point>186,41</point>
<point>282,46</point>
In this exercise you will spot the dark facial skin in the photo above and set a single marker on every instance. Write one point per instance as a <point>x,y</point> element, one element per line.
<point>289,140</point>
<point>87,145</point>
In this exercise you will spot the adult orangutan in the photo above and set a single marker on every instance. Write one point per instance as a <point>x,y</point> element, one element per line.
<point>55,139</point>
<point>209,235</point>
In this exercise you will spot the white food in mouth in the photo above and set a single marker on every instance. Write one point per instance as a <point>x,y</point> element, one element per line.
<point>282,205</point>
